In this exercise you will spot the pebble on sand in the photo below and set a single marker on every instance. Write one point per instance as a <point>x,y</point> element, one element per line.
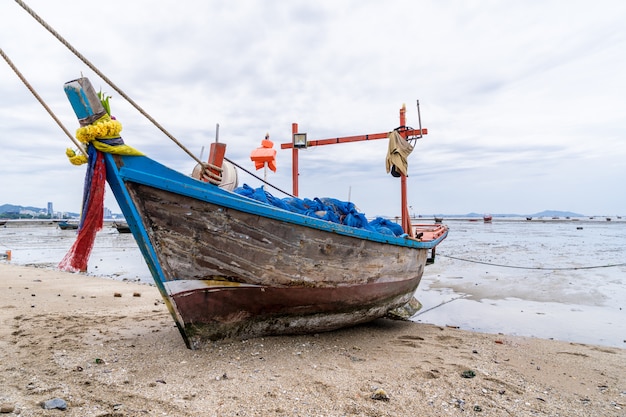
<point>57,403</point>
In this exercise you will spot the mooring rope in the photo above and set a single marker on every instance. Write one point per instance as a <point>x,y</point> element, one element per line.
<point>43,103</point>
<point>130,100</point>
<point>420,312</point>
<point>573,268</point>
<point>507,266</point>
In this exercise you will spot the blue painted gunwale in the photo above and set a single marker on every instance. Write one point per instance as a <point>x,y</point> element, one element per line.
<point>143,170</point>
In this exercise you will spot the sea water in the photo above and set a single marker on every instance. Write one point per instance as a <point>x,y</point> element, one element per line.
<point>563,279</point>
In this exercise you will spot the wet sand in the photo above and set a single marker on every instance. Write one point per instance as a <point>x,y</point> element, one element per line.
<point>110,348</point>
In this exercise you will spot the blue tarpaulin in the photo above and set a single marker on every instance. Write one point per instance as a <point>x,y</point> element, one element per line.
<point>330,209</point>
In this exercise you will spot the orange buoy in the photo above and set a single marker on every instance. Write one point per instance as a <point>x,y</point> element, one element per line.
<point>264,155</point>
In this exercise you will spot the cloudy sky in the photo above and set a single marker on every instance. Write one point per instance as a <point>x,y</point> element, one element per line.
<point>525,102</point>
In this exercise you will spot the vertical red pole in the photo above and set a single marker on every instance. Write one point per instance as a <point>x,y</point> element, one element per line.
<point>294,161</point>
<point>216,156</point>
<point>404,205</point>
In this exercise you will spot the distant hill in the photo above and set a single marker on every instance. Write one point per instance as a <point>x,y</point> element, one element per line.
<point>12,211</point>
<point>556,213</point>
<point>11,208</point>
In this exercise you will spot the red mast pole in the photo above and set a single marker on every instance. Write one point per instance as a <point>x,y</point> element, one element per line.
<point>294,161</point>
<point>404,206</point>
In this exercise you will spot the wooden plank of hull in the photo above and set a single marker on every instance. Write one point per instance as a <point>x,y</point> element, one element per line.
<point>298,266</point>
<point>201,240</point>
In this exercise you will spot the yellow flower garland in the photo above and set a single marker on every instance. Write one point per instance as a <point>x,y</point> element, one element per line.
<point>75,159</point>
<point>103,128</point>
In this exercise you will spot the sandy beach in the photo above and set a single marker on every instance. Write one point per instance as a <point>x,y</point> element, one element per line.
<point>103,347</point>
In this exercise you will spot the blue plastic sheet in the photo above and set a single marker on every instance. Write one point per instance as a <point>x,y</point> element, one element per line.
<point>329,209</point>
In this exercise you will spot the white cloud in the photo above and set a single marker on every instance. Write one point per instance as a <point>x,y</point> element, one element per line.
<point>523,101</point>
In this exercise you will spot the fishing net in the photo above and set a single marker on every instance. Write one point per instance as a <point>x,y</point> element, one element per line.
<point>330,209</point>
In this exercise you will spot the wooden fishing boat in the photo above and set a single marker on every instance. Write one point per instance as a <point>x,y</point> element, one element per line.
<point>65,225</point>
<point>230,266</point>
<point>226,264</point>
<point>121,227</point>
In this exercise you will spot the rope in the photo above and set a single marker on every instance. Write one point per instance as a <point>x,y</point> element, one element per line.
<point>439,305</point>
<point>105,78</point>
<point>130,100</point>
<point>45,106</point>
<point>261,179</point>
<point>574,268</point>
<point>508,266</point>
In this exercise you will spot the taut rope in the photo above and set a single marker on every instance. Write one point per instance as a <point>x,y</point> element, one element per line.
<point>536,268</point>
<point>105,78</point>
<point>132,102</point>
<point>45,106</point>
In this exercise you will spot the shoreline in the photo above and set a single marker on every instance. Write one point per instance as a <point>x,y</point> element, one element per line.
<point>579,305</point>
<point>110,348</point>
